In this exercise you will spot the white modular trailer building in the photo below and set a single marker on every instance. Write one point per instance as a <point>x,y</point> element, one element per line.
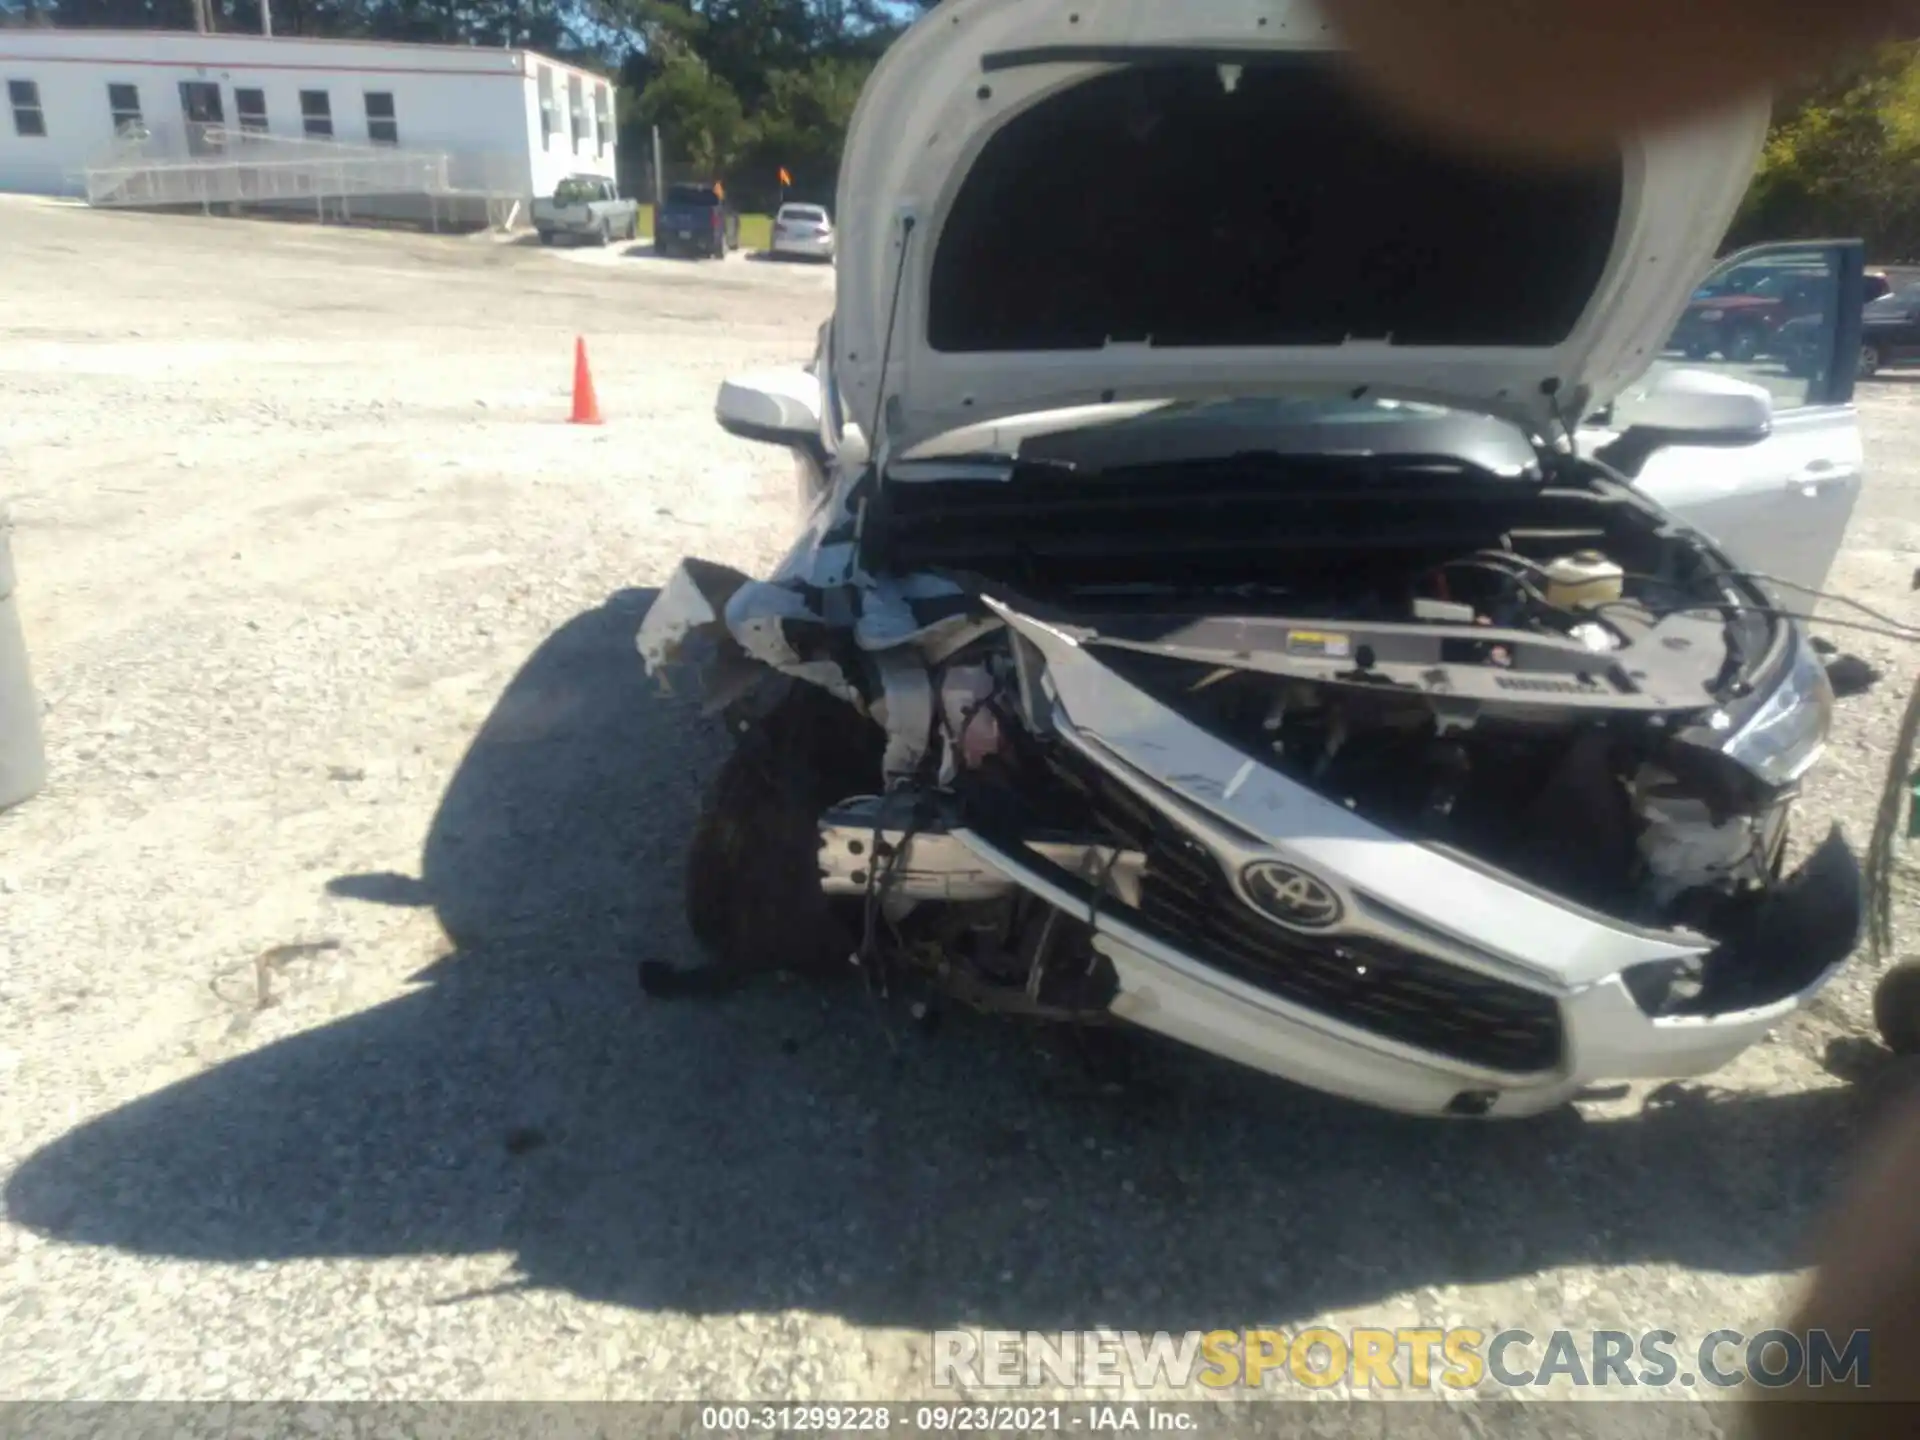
<point>503,123</point>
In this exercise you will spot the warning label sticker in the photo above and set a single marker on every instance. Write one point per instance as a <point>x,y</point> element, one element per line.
<point>1321,644</point>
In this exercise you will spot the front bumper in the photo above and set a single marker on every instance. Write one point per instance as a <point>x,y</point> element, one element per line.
<point>1602,1034</point>
<point>1446,988</point>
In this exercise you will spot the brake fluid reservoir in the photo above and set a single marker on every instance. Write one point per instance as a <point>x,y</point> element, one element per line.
<point>1582,579</point>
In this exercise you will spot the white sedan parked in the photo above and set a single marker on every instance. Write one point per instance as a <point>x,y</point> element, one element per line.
<point>803,230</point>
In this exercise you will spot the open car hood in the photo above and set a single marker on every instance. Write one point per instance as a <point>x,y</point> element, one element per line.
<point>1048,203</point>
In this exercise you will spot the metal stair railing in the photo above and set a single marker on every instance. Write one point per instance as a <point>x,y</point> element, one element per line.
<point>215,164</point>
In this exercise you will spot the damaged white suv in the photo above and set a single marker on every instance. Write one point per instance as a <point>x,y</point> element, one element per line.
<point>1255,585</point>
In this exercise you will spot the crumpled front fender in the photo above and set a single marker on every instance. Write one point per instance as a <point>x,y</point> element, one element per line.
<point>687,610</point>
<point>730,630</point>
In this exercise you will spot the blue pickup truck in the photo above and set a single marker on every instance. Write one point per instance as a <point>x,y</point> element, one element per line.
<point>696,220</point>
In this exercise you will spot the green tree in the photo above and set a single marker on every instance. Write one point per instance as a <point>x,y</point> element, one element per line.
<point>747,42</point>
<point>1843,158</point>
<point>800,127</point>
<point>696,110</point>
<point>748,87</point>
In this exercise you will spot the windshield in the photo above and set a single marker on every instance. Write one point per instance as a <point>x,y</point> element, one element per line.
<point>1898,302</point>
<point>576,192</point>
<point>1761,282</point>
<point>803,212</point>
<point>1734,282</point>
<point>700,195</point>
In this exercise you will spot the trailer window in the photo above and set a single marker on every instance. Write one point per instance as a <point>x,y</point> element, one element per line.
<point>546,108</point>
<point>383,128</point>
<point>252,105</point>
<point>124,102</point>
<point>603,119</point>
<point>316,114</point>
<point>29,120</point>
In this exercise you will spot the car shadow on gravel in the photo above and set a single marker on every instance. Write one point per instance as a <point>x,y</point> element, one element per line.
<point>798,1148</point>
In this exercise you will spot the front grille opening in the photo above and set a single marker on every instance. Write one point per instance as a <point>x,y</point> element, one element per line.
<point>1390,990</point>
<point>1374,985</point>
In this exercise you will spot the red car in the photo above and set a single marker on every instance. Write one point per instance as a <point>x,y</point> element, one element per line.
<point>1739,315</point>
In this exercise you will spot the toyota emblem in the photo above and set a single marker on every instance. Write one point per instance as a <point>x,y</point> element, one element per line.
<point>1291,896</point>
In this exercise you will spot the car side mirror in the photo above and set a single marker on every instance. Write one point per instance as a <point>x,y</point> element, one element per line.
<point>1687,407</point>
<point>776,407</point>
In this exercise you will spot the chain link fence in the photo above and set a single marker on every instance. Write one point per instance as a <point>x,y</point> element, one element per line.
<point>752,195</point>
<point>636,175</point>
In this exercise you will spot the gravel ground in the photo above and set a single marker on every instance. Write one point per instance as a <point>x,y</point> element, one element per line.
<point>323,1072</point>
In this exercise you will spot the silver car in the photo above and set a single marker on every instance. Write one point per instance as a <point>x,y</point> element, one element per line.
<point>803,231</point>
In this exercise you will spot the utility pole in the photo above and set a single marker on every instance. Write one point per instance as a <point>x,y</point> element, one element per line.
<point>659,180</point>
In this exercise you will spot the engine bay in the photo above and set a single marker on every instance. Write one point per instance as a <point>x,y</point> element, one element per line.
<point>1429,576</point>
<point>1547,699</point>
<point>1542,684</point>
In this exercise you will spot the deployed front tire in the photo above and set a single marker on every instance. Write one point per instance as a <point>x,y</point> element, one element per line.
<point>1896,1008</point>
<point>752,889</point>
<point>1743,345</point>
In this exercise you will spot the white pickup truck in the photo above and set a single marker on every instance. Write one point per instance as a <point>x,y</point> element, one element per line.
<point>586,207</point>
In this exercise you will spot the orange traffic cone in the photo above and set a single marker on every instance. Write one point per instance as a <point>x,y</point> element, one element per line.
<point>586,405</point>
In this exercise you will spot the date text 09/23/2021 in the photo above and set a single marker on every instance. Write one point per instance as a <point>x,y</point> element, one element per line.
<point>963,1419</point>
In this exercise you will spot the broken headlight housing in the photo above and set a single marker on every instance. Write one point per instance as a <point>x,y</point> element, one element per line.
<point>1784,735</point>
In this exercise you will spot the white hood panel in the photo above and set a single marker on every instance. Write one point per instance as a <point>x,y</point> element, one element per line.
<point>971,66</point>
